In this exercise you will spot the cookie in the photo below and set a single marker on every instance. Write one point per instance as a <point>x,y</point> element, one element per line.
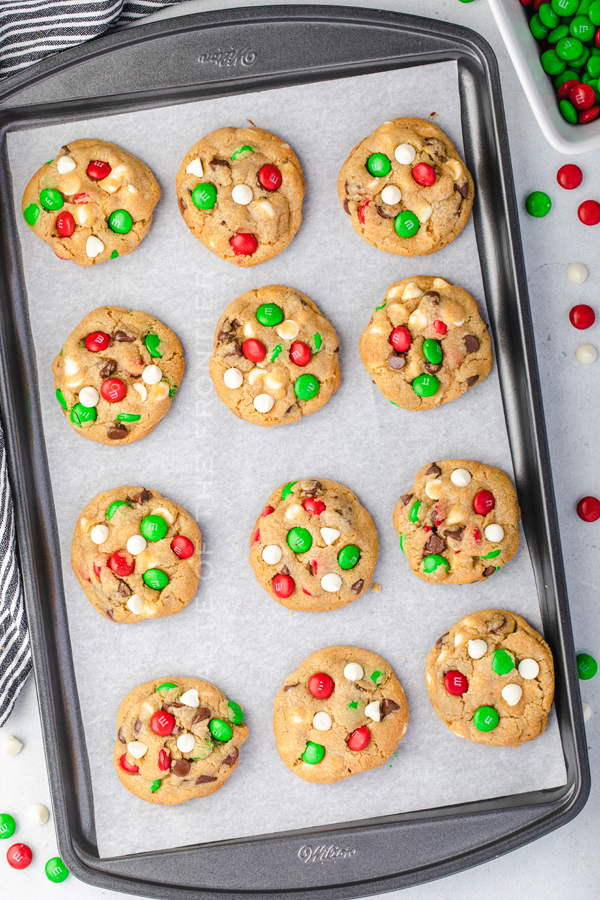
<point>459,522</point>
<point>136,555</point>
<point>275,357</point>
<point>117,374</point>
<point>342,712</point>
<point>177,738</point>
<point>240,193</point>
<point>491,679</point>
<point>426,344</point>
<point>314,546</point>
<point>406,189</point>
<point>92,202</point>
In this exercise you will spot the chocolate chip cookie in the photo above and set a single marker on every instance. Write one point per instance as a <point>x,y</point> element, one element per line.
<point>406,189</point>
<point>117,374</point>
<point>491,679</point>
<point>136,555</point>
<point>177,738</point>
<point>240,193</point>
<point>275,356</point>
<point>459,522</point>
<point>426,344</point>
<point>342,712</point>
<point>92,202</point>
<point>314,546</point>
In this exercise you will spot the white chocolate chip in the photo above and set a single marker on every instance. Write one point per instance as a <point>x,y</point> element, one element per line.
<point>38,814</point>
<point>132,189</point>
<point>272,554</point>
<point>330,535</point>
<point>273,382</point>
<point>372,185</point>
<point>186,743</point>
<point>433,489</point>
<point>66,164</point>
<point>165,513</point>
<point>82,215</point>
<point>70,366</point>
<point>264,403</point>
<point>195,168</point>
<point>89,396</point>
<point>99,534</point>
<point>396,290</point>
<point>159,392</point>
<point>459,639</point>
<point>255,375</point>
<point>373,712</point>
<point>424,213</point>
<point>249,331</point>
<point>322,721</point>
<point>288,330</point>
<point>113,181</point>
<point>135,604</point>
<point>242,194</point>
<point>263,363</point>
<point>331,582</point>
<point>233,378</point>
<point>411,292</point>
<point>460,478</point>
<point>512,693</point>
<point>442,656</point>
<point>12,746</point>
<point>586,354</point>
<point>137,749</point>
<point>477,648</point>
<point>454,516</point>
<point>577,273</point>
<point>439,284</point>
<point>190,698</point>
<point>136,544</point>
<point>529,669</point>
<point>69,184</point>
<point>391,194</point>
<point>142,391</point>
<point>354,672</point>
<point>152,374</point>
<point>456,169</point>
<point>379,329</point>
<point>93,246</point>
<point>417,319</point>
<point>494,533</point>
<point>405,153</point>
<point>587,712</point>
<point>294,511</point>
<point>265,207</point>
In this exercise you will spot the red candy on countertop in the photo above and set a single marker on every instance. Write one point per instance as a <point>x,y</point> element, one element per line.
<point>19,856</point>
<point>127,766</point>
<point>588,509</point>
<point>98,170</point>
<point>182,547</point>
<point>400,339</point>
<point>253,350</point>
<point>243,244</point>
<point>484,502</point>
<point>313,507</point>
<point>97,341</point>
<point>122,563</point>
<point>162,723</point>
<point>456,683</point>
<point>589,210</point>
<point>65,224</point>
<point>582,96</point>
<point>569,177</point>
<point>424,174</point>
<point>582,316</point>
<point>113,390</point>
<point>283,586</point>
<point>270,177</point>
<point>440,327</point>
<point>300,353</point>
<point>321,685</point>
<point>359,739</point>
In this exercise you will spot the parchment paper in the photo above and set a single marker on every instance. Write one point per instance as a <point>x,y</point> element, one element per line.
<point>223,470</point>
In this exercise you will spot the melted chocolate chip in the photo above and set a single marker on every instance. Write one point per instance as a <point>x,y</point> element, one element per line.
<point>313,571</point>
<point>218,162</point>
<point>182,204</point>
<point>435,544</point>
<point>123,337</point>
<point>174,704</point>
<point>433,370</point>
<point>181,768</point>
<point>433,296</point>
<point>143,496</point>
<point>500,626</point>
<point>231,758</point>
<point>288,687</point>
<point>137,726</point>
<point>108,368</point>
<point>358,586</point>
<point>406,498</point>
<point>433,469</point>
<point>176,731</point>
<point>471,343</point>
<point>124,590</point>
<point>117,432</point>
<point>312,489</point>
<point>122,736</point>
<point>202,714</point>
<point>437,147</point>
<point>489,571</point>
<point>110,613</point>
<point>223,335</point>
<point>473,379</point>
<point>346,207</point>
<point>388,706</point>
<point>383,213</point>
<point>235,350</point>
<point>456,535</point>
<point>463,189</point>
<point>396,360</point>
<point>440,640</point>
<point>285,571</point>
<point>205,779</point>
<point>359,687</point>
<point>65,148</point>
<point>235,323</point>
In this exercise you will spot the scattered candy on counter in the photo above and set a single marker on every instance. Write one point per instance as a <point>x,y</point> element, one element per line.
<point>8,826</point>
<point>582,316</point>
<point>588,509</point>
<point>38,814</point>
<point>586,354</point>
<point>577,273</point>
<point>19,856</point>
<point>538,204</point>
<point>587,711</point>
<point>12,746</point>
<point>586,666</point>
<point>589,212</point>
<point>56,870</point>
<point>569,177</point>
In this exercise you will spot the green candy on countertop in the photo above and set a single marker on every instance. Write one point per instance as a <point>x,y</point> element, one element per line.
<point>236,712</point>
<point>538,204</point>
<point>8,826</point>
<point>586,666</point>
<point>313,753</point>
<point>220,730</point>
<point>114,507</point>
<point>56,870</point>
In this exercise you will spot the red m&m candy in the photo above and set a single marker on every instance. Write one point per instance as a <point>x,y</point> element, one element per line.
<point>113,390</point>
<point>361,210</point>
<point>65,224</point>
<point>182,547</point>
<point>97,341</point>
<point>19,856</point>
<point>162,723</point>
<point>313,507</point>
<point>456,683</point>
<point>283,586</point>
<point>270,177</point>
<point>589,115</point>
<point>569,177</point>
<point>267,511</point>
<point>400,339</point>
<point>424,174</point>
<point>122,563</point>
<point>563,94</point>
<point>359,739</point>
<point>243,244</point>
<point>582,316</point>
<point>98,170</point>
<point>253,350</point>
<point>589,211</point>
<point>164,761</point>
<point>321,685</point>
<point>81,199</point>
<point>127,766</point>
<point>300,353</point>
<point>582,96</point>
<point>588,509</point>
<point>440,327</point>
<point>484,502</point>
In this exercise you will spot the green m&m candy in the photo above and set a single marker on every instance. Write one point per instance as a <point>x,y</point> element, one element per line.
<point>128,417</point>
<point>154,528</point>
<point>538,204</point>
<point>551,62</point>
<point>236,713</point>
<point>485,718</point>
<point>547,16</point>
<point>120,221</point>
<point>492,555</point>
<point>204,196</point>
<point>406,224</point>
<point>556,34</point>
<point>582,28</point>
<point>502,662</point>
<point>56,870</point>
<point>569,49</point>
<point>433,562</point>
<point>166,686</point>
<point>220,730</point>
<point>153,342</point>
<point>426,385</point>
<point>300,540</point>
<point>594,13</point>
<point>269,314</point>
<point>8,826</point>
<point>586,666</point>
<point>245,149</point>
<point>402,539</point>
<point>414,511</point>
<point>155,785</point>
<point>114,507</point>
<point>155,579</point>
<point>537,28</point>
<point>581,60</point>
<point>377,677</point>
<point>565,7</point>
<point>348,556</point>
<point>276,351</point>
<point>288,489</point>
<point>569,113</point>
<point>61,398</point>
<point>593,66</point>
<point>83,416</point>
<point>306,387</point>
<point>114,254</point>
<point>317,342</point>
<point>31,213</point>
<point>313,753</point>
<point>567,75</point>
<point>51,199</point>
<point>379,165</point>
<point>432,351</point>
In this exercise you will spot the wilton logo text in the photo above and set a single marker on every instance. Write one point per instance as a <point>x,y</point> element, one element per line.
<point>229,57</point>
<point>322,854</point>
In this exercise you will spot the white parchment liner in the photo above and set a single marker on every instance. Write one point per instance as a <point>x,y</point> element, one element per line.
<point>223,470</point>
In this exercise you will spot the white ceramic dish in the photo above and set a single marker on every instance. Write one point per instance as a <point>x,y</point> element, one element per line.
<point>513,22</point>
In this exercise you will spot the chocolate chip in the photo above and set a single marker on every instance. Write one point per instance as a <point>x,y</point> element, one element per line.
<point>65,148</point>
<point>396,360</point>
<point>108,368</point>
<point>223,335</point>
<point>312,489</point>
<point>406,498</point>
<point>438,148</point>
<point>182,204</point>
<point>433,370</point>
<point>205,779</point>
<point>433,296</point>
<point>285,571</point>
<point>433,469</point>
<point>142,497</point>
<point>471,343</point>
<point>383,213</point>
<point>202,714</point>
<point>472,380</point>
<point>290,408</point>
<point>312,569</point>
<point>123,337</point>
<point>218,162</point>
<point>358,586</point>
<point>122,736</point>
<point>346,207</point>
<point>456,535</point>
<point>388,706</point>
<point>440,640</point>
<point>181,768</point>
<point>463,189</point>
<point>435,544</point>
<point>288,687</point>
<point>110,613</point>
<point>489,571</point>
<point>501,625</point>
<point>235,323</point>
<point>174,704</point>
<point>117,432</point>
<point>137,726</point>
<point>124,590</point>
<point>235,350</point>
<point>231,758</point>
<point>176,731</point>
<point>359,687</point>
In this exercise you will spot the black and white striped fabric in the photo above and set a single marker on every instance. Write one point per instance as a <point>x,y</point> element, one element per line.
<point>15,652</point>
<point>33,29</point>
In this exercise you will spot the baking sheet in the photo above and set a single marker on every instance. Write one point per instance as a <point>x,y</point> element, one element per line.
<point>223,471</point>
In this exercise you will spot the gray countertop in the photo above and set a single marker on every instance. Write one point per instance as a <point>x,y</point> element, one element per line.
<point>568,859</point>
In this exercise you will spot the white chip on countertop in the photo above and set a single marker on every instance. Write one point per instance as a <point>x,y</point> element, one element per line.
<point>577,273</point>
<point>190,698</point>
<point>586,354</point>
<point>587,711</point>
<point>354,672</point>
<point>12,746</point>
<point>38,814</point>
<point>477,648</point>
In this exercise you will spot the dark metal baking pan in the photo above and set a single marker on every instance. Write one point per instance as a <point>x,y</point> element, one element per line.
<point>236,51</point>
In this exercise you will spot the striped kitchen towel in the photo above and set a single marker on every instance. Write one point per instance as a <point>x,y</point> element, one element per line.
<point>33,29</point>
<point>15,652</point>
